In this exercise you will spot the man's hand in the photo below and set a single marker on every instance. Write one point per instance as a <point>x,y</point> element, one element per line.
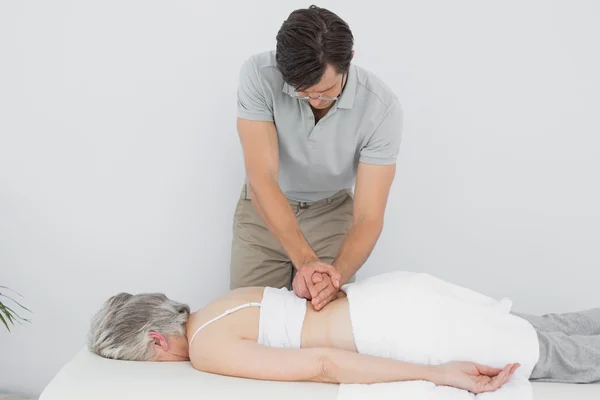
<point>303,284</point>
<point>473,377</point>
<point>326,290</point>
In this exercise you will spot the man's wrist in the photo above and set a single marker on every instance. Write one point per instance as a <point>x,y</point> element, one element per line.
<point>304,257</point>
<point>339,267</point>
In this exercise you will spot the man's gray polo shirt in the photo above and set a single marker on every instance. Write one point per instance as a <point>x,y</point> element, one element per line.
<point>317,160</point>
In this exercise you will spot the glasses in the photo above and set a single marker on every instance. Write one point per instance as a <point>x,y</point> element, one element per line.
<point>296,95</point>
<point>321,98</point>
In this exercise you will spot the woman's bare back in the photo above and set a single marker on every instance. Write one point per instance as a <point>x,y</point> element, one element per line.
<point>330,327</point>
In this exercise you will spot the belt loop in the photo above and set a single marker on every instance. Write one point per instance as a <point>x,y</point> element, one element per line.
<point>244,193</point>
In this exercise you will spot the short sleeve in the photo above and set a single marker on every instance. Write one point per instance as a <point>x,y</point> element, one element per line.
<point>383,146</point>
<point>252,103</point>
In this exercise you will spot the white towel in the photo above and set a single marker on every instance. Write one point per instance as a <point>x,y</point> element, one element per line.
<point>415,317</point>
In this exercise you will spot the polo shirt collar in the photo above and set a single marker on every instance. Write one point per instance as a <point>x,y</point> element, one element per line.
<point>287,89</point>
<point>346,100</point>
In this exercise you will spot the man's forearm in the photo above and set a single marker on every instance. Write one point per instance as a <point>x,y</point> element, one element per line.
<point>357,246</point>
<point>340,366</point>
<point>273,207</point>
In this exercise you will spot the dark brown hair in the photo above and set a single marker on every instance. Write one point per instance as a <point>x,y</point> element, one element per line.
<point>307,41</point>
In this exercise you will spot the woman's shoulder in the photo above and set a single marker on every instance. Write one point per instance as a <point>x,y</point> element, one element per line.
<point>219,305</point>
<point>251,293</point>
<point>233,298</point>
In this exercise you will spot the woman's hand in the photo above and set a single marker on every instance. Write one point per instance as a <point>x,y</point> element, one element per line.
<point>473,377</point>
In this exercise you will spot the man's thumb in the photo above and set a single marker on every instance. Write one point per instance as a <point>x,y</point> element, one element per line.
<point>317,277</point>
<point>336,278</point>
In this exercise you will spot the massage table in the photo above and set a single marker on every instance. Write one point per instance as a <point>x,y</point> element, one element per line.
<point>90,377</point>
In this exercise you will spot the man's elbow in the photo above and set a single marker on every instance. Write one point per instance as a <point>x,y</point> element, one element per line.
<point>258,177</point>
<point>257,182</point>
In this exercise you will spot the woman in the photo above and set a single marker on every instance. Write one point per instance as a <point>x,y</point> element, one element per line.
<point>271,334</point>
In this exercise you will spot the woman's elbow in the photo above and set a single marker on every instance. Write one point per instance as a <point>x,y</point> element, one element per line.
<point>327,370</point>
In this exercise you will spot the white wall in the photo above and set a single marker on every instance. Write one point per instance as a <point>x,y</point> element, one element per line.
<point>120,165</point>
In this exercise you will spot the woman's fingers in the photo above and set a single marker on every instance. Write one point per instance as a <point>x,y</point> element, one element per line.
<point>511,372</point>
<point>506,375</point>
<point>514,368</point>
<point>496,381</point>
<point>487,370</point>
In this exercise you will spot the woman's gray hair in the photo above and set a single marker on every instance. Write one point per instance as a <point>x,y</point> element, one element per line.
<point>121,328</point>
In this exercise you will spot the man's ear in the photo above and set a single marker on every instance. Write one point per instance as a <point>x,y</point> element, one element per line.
<point>159,341</point>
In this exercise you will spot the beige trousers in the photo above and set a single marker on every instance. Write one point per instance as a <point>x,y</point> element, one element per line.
<point>257,257</point>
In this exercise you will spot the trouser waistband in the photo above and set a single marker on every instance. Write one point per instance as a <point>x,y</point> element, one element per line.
<point>245,195</point>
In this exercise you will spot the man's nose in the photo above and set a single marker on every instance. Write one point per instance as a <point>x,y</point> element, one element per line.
<point>315,102</point>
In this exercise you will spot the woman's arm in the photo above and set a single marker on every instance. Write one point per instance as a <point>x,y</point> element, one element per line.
<point>248,359</point>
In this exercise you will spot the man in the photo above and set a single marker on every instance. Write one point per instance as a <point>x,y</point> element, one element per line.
<point>312,126</point>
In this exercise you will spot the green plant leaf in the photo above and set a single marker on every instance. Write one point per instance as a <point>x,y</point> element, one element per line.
<point>14,314</point>
<point>8,316</point>
<point>16,302</point>
<point>12,290</point>
<point>6,313</point>
<point>4,321</point>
